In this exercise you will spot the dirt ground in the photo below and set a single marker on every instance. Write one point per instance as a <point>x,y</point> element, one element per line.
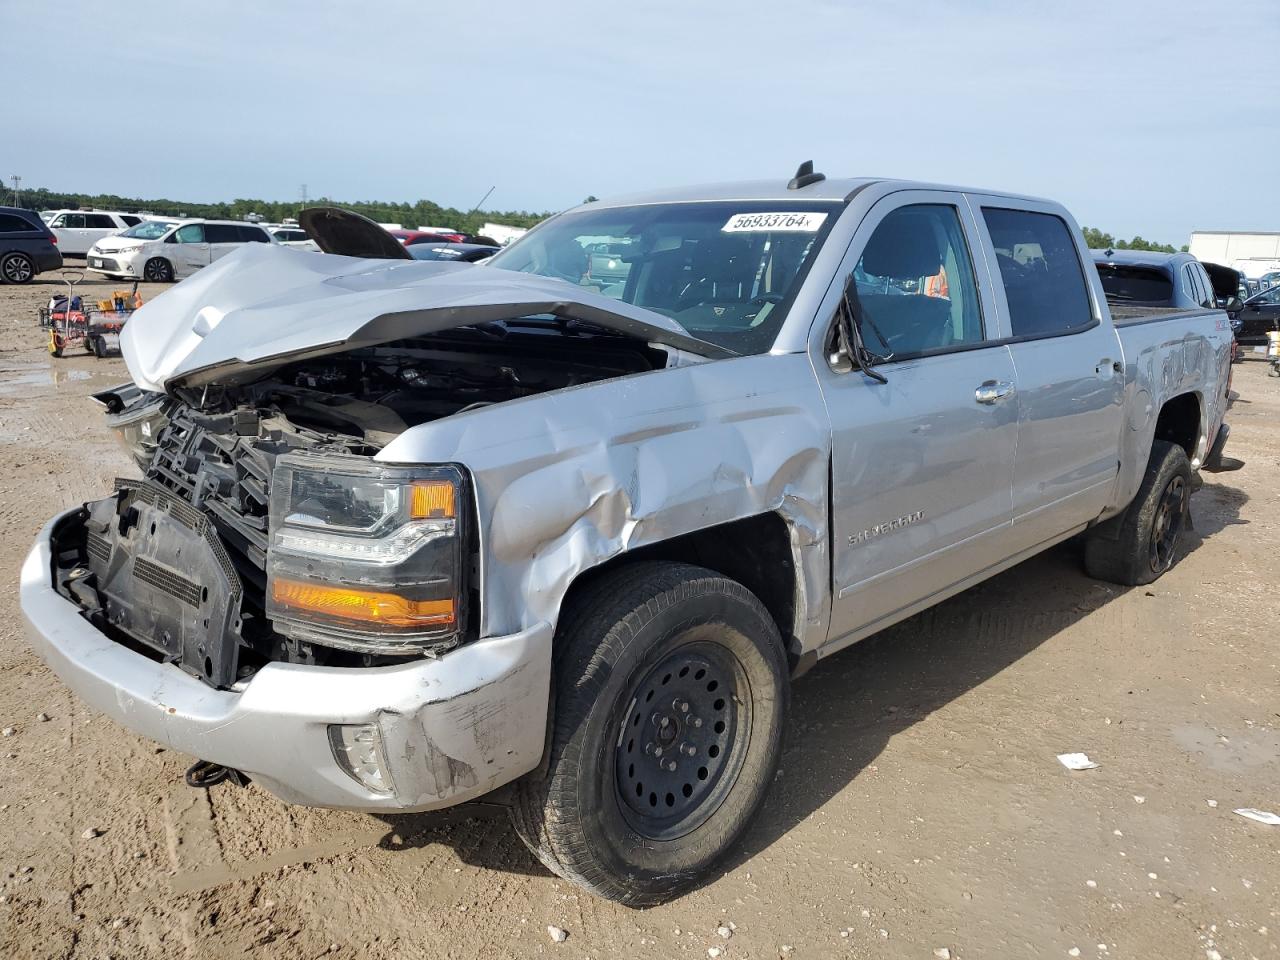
<point>920,805</point>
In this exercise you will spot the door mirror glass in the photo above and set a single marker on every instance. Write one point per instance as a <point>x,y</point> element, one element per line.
<point>1233,305</point>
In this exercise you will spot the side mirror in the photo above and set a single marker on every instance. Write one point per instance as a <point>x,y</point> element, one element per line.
<point>1233,305</point>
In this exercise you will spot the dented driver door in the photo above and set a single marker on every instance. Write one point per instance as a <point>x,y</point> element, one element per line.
<point>922,465</point>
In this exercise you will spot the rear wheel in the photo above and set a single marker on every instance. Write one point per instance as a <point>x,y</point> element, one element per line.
<point>16,268</point>
<point>1142,543</point>
<point>158,270</point>
<point>671,694</point>
<point>98,346</point>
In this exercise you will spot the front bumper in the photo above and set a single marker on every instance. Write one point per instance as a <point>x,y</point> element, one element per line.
<point>113,263</point>
<point>453,728</point>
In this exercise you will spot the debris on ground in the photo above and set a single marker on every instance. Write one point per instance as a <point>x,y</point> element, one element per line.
<point>942,953</point>
<point>1261,816</point>
<point>724,932</point>
<point>9,731</point>
<point>1076,761</point>
<point>43,717</point>
<point>91,833</point>
<point>558,934</point>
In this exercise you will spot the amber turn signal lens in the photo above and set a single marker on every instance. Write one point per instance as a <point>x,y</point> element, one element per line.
<point>431,500</point>
<point>364,606</point>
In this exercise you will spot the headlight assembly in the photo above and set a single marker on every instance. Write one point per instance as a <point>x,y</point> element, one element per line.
<point>364,556</point>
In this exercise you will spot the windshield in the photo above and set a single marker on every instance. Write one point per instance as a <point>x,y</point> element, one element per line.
<point>725,271</point>
<point>148,230</point>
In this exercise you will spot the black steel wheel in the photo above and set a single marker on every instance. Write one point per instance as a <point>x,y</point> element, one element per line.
<point>1141,543</point>
<point>158,270</point>
<point>671,694</point>
<point>17,268</point>
<point>1166,527</point>
<point>682,743</point>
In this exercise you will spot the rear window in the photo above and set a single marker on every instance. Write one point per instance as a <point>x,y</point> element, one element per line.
<point>1043,280</point>
<point>1125,283</point>
<point>12,223</point>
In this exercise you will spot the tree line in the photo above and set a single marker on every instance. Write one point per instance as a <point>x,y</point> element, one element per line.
<point>412,215</point>
<point>1098,240</point>
<point>422,213</point>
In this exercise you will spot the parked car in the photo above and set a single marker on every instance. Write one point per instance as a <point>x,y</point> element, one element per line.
<point>293,237</point>
<point>27,246</point>
<point>78,230</point>
<point>160,251</point>
<point>463,252</point>
<point>1140,278</point>
<point>406,534</point>
<point>411,237</point>
<point>1259,315</point>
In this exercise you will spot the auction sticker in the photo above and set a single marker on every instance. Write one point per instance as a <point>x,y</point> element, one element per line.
<point>774,223</point>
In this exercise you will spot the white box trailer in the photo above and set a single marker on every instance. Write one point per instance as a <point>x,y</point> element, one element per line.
<point>1253,254</point>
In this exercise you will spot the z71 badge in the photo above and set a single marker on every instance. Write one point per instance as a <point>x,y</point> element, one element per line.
<point>862,536</point>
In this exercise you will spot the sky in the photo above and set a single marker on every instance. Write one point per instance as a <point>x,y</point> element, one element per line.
<point>1151,118</point>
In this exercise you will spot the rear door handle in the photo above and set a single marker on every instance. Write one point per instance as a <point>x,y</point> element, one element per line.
<point>993,391</point>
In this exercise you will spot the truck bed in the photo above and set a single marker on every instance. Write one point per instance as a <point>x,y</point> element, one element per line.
<point>1126,314</point>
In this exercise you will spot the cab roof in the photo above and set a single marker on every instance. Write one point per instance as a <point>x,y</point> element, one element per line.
<point>838,189</point>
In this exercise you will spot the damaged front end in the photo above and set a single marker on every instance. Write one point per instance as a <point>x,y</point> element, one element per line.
<point>264,530</point>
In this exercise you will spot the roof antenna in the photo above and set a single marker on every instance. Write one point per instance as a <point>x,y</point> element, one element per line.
<point>805,176</point>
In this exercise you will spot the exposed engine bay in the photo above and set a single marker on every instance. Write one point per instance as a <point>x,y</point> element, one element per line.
<point>175,565</point>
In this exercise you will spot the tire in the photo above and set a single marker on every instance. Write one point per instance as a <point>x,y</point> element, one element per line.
<point>98,347</point>
<point>157,270</point>
<point>713,648</point>
<point>1141,544</point>
<point>16,268</point>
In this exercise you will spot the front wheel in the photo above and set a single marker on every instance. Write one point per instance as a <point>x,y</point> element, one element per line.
<point>1142,543</point>
<point>158,270</point>
<point>671,695</point>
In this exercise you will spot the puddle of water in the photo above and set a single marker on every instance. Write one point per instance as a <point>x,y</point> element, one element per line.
<point>17,379</point>
<point>1233,752</point>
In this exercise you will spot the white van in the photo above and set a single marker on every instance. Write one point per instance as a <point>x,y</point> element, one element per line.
<point>78,230</point>
<point>160,251</point>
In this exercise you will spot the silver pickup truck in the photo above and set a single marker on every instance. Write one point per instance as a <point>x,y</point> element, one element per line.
<point>569,522</point>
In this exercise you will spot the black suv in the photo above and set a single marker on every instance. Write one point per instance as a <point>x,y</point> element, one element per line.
<point>27,246</point>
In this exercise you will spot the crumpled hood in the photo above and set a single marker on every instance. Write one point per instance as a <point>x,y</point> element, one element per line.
<point>264,305</point>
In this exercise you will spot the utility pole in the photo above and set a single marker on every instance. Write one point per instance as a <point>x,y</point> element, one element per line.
<point>304,194</point>
<point>17,194</point>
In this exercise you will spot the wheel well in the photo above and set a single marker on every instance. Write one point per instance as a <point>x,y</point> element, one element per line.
<point>755,551</point>
<point>1179,422</point>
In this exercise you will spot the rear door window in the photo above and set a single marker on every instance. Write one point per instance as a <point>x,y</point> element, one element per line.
<point>221,233</point>
<point>1044,282</point>
<point>916,285</point>
<point>253,235</point>
<point>131,220</point>
<point>99,221</point>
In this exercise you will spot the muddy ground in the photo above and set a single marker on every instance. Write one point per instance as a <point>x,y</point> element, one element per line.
<point>920,805</point>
